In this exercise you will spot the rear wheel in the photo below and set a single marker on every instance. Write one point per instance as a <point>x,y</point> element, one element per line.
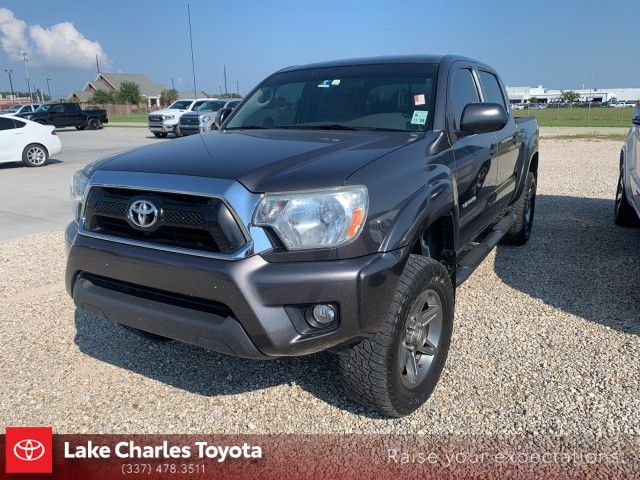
<point>34,155</point>
<point>397,369</point>
<point>624,214</point>
<point>94,124</point>
<point>160,134</point>
<point>524,209</point>
<point>81,127</point>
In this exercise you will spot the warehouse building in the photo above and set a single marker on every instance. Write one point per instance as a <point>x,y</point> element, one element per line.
<point>549,95</point>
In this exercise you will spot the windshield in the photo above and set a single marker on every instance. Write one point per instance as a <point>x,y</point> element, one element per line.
<point>181,104</point>
<point>210,106</point>
<point>393,97</point>
<point>15,108</point>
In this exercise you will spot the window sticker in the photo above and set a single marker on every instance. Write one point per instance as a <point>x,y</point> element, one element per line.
<point>419,117</point>
<point>325,84</point>
<point>419,99</point>
<point>335,82</point>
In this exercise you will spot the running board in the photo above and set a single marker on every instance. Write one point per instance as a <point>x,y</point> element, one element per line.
<point>475,256</point>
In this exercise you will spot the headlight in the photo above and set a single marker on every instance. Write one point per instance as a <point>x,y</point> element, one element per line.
<point>314,219</point>
<point>168,117</point>
<point>79,184</point>
<point>205,119</point>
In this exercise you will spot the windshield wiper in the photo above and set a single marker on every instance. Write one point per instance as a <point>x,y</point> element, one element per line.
<point>325,126</point>
<point>249,127</point>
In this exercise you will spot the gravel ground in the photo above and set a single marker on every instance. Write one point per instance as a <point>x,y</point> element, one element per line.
<point>546,340</point>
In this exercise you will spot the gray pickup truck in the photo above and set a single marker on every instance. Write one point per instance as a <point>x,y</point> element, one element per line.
<point>627,206</point>
<point>336,208</point>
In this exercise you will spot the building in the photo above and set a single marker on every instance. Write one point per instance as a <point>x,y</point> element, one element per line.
<point>111,82</point>
<point>549,95</point>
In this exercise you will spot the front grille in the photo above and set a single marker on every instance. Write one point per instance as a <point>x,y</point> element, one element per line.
<point>182,221</point>
<point>160,296</point>
<point>155,118</point>
<point>187,120</point>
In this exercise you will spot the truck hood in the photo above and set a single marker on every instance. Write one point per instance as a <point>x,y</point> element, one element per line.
<point>167,111</point>
<point>269,160</point>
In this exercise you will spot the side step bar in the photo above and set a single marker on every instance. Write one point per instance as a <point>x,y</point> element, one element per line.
<point>475,256</point>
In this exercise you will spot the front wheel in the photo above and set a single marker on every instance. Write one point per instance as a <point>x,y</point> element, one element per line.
<point>397,369</point>
<point>176,131</point>
<point>524,208</point>
<point>624,214</point>
<point>34,155</point>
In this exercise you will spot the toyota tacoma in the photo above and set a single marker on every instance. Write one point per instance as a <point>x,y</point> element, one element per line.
<point>337,208</point>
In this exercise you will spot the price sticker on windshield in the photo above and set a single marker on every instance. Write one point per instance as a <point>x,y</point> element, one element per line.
<point>419,117</point>
<point>419,99</point>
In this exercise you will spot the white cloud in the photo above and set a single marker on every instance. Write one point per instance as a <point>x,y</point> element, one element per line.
<point>60,45</point>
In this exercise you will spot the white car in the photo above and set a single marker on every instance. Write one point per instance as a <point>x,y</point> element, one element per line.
<point>627,205</point>
<point>20,108</point>
<point>28,142</point>
<point>165,121</point>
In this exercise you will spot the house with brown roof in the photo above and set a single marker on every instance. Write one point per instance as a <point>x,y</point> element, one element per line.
<point>111,82</point>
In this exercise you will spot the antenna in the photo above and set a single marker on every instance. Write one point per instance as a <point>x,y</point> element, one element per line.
<point>193,64</point>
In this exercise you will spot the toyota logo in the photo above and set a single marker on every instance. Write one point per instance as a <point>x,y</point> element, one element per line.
<point>28,450</point>
<point>143,213</point>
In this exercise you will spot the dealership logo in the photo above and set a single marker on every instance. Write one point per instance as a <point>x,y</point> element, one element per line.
<point>28,449</point>
<point>143,213</point>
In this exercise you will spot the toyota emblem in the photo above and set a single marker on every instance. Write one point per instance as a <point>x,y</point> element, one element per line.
<point>29,450</point>
<point>143,213</point>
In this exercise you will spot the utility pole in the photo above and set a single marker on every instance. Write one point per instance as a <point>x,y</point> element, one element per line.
<point>220,90</point>
<point>590,97</point>
<point>238,87</point>
<point>25,58</point>
<point>97,64</point>
<point>49,88</point>
<point>9,72</point>
<point>173,84</point>
<point>224,71</point>
<point>193,63</point>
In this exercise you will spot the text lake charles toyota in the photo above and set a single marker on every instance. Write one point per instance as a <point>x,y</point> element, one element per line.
<point>337,208</point>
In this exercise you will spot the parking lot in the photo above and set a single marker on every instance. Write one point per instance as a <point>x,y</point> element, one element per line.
<point>546,340</point>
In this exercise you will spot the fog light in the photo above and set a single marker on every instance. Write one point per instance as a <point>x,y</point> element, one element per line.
<point>324,314</point>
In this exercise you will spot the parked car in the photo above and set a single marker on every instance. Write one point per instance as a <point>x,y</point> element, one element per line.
<point>201,118</point>
<point>625,104</point>
<point>62,115</point>
<point>518,106</point>
<point>165,121</point>
<point>627,204</point>
<point>337,209</point>
<point>27,142</point>
<point>21,108</point>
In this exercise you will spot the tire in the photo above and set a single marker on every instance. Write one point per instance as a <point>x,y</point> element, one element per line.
<point>94,124</point>
<point>524,208</point>
<point>147,335</point>
<point>82,127</point>
<point>176,131</point>
<point>376,372</point>
<point>160,134</point>
<point>624,213</point>
<point>35,155</point>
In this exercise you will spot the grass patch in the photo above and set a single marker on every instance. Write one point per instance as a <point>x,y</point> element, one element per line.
<point>130,117</point>
<point>618,137</point>
<point>580,117</point>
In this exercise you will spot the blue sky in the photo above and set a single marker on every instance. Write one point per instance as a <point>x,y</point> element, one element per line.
<point>556,43</point>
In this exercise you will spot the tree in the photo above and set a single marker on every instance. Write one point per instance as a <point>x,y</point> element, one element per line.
<point>168,96</point>
<point>129,93</point>
<point>101,97</point>
<point>534,100</point>
<point>570,96</point>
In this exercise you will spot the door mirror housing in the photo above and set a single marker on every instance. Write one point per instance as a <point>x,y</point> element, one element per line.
<point>221,116</point>
<point>636,120</point>
<point>483,118</point>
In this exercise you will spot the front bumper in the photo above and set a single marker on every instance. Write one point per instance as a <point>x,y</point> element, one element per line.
<point>265,303</point>
<point>189,129</point>
<point>162,128</point>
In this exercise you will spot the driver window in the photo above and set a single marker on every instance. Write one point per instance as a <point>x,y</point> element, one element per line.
<point>463,92</point>
<point>56,109</point>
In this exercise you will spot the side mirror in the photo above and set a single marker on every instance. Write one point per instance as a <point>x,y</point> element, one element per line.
<point>221,116</point>
<point>636,120</point>
<point>483,118</point>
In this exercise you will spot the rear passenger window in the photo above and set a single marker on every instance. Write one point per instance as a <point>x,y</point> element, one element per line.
<point>6,124</point>
<point>492,89</point>
<point>19,124</point>
<point>463,92</point>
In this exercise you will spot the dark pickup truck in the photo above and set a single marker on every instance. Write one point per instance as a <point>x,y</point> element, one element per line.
<point>62,115</point>
<point>337,208</point>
